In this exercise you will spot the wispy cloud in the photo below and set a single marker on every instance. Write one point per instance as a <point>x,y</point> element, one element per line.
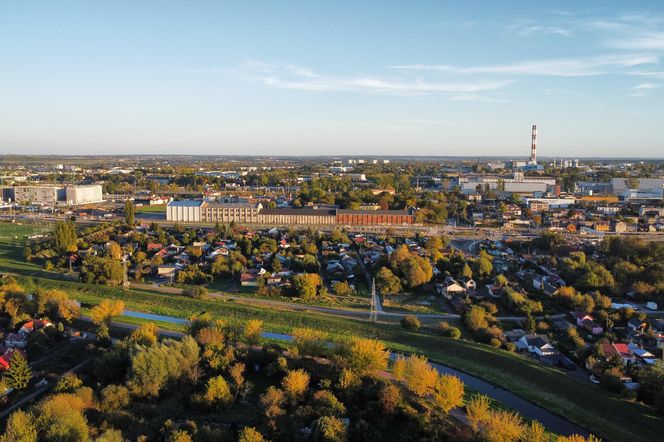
<point>287,76</point>
<point>565,67</point>
<point>642,89</point>
<point>530,28</point>
<point>632,32</point>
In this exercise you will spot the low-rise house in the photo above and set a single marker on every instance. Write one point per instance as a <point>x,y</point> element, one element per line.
<point>16,340</point>
<point>167,270</point>
<point>514,335</point>
<point>154,247</point>
<point>620,350</point>
<point>451,288</point>
<point>34,325</point>
<point>587,322</point>
<point>249,279</point>
<point>643,354</point>
<point>537,344</point>
<point>562,325</point>
<point>593,327</point>
<point>637,325</point>
<point>273,280</point>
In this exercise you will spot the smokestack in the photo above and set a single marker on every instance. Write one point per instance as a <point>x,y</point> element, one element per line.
<point>533,147</point>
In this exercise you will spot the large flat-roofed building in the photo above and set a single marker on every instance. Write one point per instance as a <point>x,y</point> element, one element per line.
<point>516,184</point>
<point>230,212</point>
<point>306,216</point>
<point>75,195</point>
<point>374,217</point>
<point>188,211</point>
<point>44,195</point>
<point>69,195</point>
<point>245,213</point>
<point>638,188</point>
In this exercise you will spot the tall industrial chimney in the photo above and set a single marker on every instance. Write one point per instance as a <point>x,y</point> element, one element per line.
<point>533,147</point>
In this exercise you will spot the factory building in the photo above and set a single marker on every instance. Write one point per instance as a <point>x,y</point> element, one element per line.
<point>69,195</point>
<point>227,212</point>
<point>304,216</point>
<point>374,217</point>
<point>515,184</point>
<point>243,213</point>
<point>188,211</point>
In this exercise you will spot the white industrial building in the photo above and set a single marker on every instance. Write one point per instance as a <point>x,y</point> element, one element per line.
<point>49,195</point>
<point>184,211</point>
<point>516,184</point>
<point>76,195</point>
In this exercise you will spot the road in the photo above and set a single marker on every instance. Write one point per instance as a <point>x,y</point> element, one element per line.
<point>345,312</point>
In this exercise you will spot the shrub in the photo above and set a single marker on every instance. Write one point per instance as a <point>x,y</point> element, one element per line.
<point>114,397</point>
<point>196,292</point>
<point>217,392</point>
<point>454,333</point>
<point>410,322</point>
<point>68,383</point>
<point>296,383</point>
<point>495,343</point>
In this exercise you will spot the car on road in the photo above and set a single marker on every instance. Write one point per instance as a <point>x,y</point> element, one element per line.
<point>592,378</point>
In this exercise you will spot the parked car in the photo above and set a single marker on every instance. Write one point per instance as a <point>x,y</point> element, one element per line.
<point>593,379</point>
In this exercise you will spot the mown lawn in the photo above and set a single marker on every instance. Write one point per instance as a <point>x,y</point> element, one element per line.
<point>159,208</point>
<point>586,405</point>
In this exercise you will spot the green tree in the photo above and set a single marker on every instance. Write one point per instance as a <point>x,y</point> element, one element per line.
<point>342,288</point>
<point>366,356</point>
<point>466,272</point>
<point>61,419</point>
<point>65,236</point>
<point>113,398</point>
<point>217,392</point>
<point>19,374</point>
<point>386,282</point>
<point>252,332</point>
<point>330,429</point>
<point>130,213</point>
<point>68,383</point>
<point>306,285</point>
<point>250,434</point>
<point>476,318</point>
<point>310,342</point>
<point>21,427</point>
<point>102,315</point>
<point>448,392</point>
<point>295,383</point>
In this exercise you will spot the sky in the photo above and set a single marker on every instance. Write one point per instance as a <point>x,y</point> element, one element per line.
<point>303,78</point>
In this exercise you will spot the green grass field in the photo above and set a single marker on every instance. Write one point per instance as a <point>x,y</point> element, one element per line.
<point>586,405</point>
<point>159,208</point>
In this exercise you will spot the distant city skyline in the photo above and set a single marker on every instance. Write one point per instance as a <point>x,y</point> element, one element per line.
<point>340,78</point>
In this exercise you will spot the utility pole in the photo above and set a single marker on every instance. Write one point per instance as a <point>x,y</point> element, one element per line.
<point>125,279</point>
<point>373,314</point>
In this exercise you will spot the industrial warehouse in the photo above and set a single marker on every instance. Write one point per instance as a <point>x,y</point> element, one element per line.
<point>213,212</point>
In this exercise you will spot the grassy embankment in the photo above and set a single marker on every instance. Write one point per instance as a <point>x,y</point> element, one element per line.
<point>587,405</point>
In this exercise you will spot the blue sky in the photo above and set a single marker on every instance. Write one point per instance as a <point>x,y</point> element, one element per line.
<point>332,78</point>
